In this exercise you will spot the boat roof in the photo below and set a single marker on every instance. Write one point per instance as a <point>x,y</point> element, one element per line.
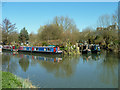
<point>51,45</point>
<point>38,46</point>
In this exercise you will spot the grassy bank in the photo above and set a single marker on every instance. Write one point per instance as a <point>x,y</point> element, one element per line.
<point>11,81</point>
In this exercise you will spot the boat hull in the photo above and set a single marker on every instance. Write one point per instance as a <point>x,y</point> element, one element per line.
<point>14,50</point>
<point>6,49</point>
<point>43,52</point>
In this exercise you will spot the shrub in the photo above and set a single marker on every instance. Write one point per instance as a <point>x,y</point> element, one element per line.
<point>44,44</point>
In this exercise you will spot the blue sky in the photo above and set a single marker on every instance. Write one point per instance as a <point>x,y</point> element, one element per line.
<point>33,14</point>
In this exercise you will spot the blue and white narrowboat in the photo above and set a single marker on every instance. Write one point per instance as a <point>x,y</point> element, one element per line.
<point>37,49</point>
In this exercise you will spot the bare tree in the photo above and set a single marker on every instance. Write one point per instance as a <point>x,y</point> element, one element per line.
<point>7,28</point>
<point>40,30</point>
<point>51,32</point>
<point>104,21</point>
<point>64,22</point>
<point>114,18</point>
<point>68,28</point>
<point>13,37</point>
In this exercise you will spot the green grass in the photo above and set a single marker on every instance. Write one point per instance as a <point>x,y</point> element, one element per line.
<point>11,81</point>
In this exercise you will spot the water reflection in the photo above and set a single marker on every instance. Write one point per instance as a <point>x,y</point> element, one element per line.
<point>9,63</point>
<point>88,57</point>
<point>24,63</point>
<point>34,56</point>
<point>109,68</point>
<point>81,70</point>
<point>63,69</point>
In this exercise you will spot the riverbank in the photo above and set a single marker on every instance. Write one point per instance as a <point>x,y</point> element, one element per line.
<point>12,81</point>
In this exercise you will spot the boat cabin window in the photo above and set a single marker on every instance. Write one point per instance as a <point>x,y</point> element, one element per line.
<point>48,49</point>
<point>36,49</point>
<point>44,49</point>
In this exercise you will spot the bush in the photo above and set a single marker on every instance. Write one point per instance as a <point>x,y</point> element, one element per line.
<point>61,46</point>
<point>44,44</point>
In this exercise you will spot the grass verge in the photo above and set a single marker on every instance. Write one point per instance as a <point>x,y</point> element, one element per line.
<point>11,81</point>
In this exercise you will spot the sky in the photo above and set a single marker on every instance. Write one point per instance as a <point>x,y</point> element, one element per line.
<point>32,15</point>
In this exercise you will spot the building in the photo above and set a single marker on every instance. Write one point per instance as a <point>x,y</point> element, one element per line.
<point>111,27</point>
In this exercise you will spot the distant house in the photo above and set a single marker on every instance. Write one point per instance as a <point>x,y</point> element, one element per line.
<point>111,27</point>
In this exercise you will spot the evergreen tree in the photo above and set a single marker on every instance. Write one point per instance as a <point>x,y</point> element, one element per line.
<point>23,36</point>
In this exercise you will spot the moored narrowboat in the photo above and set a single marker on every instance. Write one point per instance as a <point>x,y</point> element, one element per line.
<point>95,49</point>
<point>25,48</point>
<point>14,49</point>
<point>10,48</point>
<point>7,48</point>
<point>37,49</point>
<point>86,49</point>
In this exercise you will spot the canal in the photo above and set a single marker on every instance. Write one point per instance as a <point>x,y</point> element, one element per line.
<point>56,71</point>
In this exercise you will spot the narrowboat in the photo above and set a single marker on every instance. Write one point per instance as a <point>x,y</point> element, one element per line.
<point>9,48</point>
<point>86,49</point>
<point>14,49</point>
<point>95,49</point>
<point>25,49</point>
<point>36,49</point>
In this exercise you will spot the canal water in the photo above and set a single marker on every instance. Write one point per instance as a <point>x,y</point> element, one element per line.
<point>56,71</point>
